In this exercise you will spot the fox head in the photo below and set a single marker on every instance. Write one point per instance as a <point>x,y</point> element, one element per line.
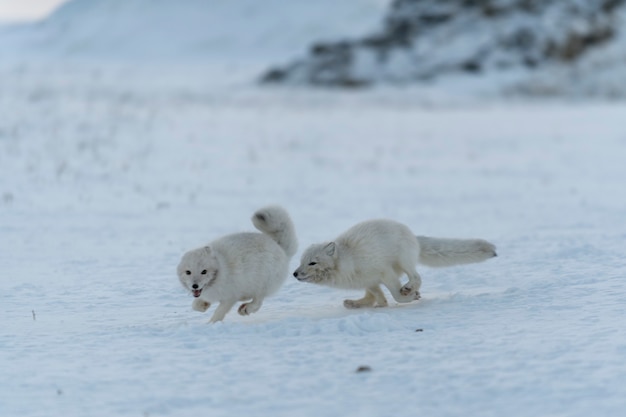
<point>198,270</point>
<point>317,263</point>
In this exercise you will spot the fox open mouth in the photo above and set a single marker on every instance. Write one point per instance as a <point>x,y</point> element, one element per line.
<point>196,293</point>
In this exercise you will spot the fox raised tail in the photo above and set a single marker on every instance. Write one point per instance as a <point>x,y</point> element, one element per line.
<point>438,252</point>
<point>275,222</point>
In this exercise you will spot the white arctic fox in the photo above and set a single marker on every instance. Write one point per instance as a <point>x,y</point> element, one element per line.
<point>242,266</point>
<point>379,252</point>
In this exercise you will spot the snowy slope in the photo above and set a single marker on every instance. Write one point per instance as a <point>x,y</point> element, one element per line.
<point>105,183</point>
<point>230,35</point>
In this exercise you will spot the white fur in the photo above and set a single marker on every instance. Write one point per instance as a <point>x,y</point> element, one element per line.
<point>378,252</point>
<point>242,266</point>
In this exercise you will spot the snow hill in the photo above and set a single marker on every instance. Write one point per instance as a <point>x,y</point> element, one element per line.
<point>230,34</point>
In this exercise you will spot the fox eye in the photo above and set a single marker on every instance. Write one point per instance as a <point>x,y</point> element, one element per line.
<point>312,263</point>
<point>203,272</point>
<point>188,272</point>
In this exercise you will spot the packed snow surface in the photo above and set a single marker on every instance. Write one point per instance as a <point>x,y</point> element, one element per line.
<point>104,185</point>
<point>109,172</point>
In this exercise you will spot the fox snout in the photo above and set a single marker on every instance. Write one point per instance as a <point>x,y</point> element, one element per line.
<point>305,276</point>
<point>298,275</point>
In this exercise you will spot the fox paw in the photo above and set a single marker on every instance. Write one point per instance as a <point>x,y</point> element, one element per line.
<point>407,290</point>
<point>248,308</point>
<point>353,304</point>
<point>243,309</point>
<point>200,305</point>
<point>417,296</point>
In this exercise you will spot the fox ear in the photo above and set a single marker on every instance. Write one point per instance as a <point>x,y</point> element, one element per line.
<point>330,249</point>
<point>207,250</point>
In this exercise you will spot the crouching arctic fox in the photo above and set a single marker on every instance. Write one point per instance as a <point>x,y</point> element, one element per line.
<point>241,267</point>
<point>379,252</point>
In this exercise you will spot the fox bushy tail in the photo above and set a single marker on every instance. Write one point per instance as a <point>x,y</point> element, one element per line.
<point>438,252</point>
<point>275,222</point>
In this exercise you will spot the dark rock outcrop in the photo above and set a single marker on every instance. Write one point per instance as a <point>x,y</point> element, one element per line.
<point>424,39</point>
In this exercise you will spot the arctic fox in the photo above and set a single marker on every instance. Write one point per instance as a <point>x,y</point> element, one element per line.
<point>242,266</point>
<point>378,252</point>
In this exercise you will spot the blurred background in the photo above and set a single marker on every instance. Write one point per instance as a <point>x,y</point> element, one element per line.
<point>503,47</point>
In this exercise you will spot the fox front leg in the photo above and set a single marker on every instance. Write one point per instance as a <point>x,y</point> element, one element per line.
<point>374,297</point>
<point>221,310</point>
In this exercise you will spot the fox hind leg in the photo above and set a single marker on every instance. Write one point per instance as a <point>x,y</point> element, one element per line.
<point>413,286</point>
<point>395,288</point>
<point>250,307</point>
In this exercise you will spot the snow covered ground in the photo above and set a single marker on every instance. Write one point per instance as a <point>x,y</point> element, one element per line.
<point>108,173</point>
<point>104,186</point>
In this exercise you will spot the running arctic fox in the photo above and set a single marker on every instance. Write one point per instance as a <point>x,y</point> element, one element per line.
<point>242,266</point>
<point>379,252</point>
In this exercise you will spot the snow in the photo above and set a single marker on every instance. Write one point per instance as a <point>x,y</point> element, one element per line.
<point>110,171</point>
<point>234,35</point>
<point>14,11</point>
